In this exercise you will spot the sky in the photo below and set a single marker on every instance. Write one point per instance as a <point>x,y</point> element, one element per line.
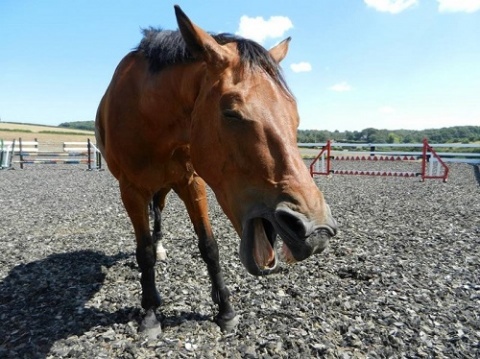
<point>352,64</point>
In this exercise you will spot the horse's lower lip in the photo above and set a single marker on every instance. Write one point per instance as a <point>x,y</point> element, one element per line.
<point>263,251</point>
<point>261,247</point>
<point>257,252</point>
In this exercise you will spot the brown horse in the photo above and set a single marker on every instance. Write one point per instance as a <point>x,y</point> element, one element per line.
<point>187,107</point>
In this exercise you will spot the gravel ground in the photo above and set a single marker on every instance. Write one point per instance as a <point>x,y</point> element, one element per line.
<point>401,279</point>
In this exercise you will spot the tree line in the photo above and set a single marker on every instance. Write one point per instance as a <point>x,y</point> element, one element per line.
<point>456,134</point>
<point>79,125</point>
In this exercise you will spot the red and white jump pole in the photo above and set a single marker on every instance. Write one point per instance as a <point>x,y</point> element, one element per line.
<point>430,162</point>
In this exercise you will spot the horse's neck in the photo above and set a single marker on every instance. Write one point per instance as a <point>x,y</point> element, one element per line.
<point>169,100</point>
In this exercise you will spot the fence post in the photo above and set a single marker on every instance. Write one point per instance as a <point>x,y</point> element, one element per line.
<point>424,159</point>
<point>1,154</point>
<point>329,148</point>
<point>89,160</point>
<point>99,159</point>
<point>21,152</point>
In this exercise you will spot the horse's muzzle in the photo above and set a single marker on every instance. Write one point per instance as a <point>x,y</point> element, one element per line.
<point>304,236</point>
<point>301,238</point>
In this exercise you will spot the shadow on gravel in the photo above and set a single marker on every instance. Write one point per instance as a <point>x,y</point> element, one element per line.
<point>44,301</point>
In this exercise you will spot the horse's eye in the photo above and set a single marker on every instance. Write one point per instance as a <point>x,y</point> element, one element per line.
<point>232,115</point>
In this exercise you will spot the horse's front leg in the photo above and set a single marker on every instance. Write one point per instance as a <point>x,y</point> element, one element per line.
<point>158,204</point>
<point>136,204</point>
<point>194,196</point>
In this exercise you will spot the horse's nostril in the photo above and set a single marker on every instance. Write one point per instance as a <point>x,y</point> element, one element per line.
<point>292,222</point>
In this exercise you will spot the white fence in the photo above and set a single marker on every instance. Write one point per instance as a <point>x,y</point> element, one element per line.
<point>28,153</point>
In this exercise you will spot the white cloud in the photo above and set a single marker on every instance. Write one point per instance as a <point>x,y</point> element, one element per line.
<point>386,110</point>
<point>458,5</point>
<point>341,87</point>
<point>391,6</point>
<point>301,67</point>
<point>259,29</point>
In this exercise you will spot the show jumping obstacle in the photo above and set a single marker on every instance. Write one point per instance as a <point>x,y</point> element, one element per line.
<point>28,152</point>
<point>432,166</point>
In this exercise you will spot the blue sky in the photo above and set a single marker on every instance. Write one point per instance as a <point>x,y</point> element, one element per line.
<point>352,64</point>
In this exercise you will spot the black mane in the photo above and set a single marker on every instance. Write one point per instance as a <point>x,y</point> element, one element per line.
<point>163,48</point>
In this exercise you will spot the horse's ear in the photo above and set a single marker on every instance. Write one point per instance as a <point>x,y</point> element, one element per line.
<point>279,51</point>
<point>198,41</point>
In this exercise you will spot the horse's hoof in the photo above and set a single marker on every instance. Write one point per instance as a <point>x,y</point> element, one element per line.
<point>227,324</point>
<point>150,325</point>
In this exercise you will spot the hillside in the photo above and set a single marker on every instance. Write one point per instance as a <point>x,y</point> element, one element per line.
<point>50,138</point>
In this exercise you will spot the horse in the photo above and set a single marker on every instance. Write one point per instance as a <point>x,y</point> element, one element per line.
<point>187,109</point>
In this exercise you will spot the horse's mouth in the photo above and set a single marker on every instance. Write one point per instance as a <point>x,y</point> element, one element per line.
<point>261,249</point>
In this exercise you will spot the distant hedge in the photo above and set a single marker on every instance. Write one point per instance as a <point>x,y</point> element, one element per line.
<point>63,133</point>
<point>79,125</point>
<point>14,130</point>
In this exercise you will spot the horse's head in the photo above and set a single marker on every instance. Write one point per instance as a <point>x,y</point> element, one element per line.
<point>244,145</point>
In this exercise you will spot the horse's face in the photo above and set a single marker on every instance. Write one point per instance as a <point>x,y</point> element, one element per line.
<point>243,143</point>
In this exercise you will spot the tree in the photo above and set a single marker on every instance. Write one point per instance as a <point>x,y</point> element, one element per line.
<point>393,138</point>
